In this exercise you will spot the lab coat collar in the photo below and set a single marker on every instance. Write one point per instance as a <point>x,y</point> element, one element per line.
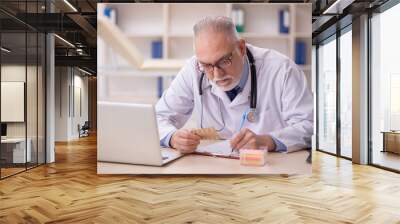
<point>220,94</point>
<point>206,84</point>
<point>244,95</point>
<point>245,75</point>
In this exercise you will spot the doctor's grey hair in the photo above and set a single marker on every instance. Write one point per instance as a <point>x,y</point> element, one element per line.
<point>217,24</point>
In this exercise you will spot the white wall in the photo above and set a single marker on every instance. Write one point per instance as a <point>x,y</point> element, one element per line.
<point>80,83</point>
<point>11,73</point>
<point>33,127</point>
<point>62,81</point>
<point>17,73</point>
<point>68,81</point>
<point>128,89</point>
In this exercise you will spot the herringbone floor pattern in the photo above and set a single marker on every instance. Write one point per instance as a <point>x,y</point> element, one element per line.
<point>70,191</point>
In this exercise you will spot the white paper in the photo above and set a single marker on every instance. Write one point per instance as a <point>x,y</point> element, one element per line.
<point>222,148</point>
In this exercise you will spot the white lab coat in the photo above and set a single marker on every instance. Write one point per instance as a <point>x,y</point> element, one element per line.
<point>284,102</point>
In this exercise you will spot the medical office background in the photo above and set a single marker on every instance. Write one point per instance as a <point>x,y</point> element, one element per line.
<point>165,31</point>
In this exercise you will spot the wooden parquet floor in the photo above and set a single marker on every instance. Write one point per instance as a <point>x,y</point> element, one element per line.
<point>70,191</point>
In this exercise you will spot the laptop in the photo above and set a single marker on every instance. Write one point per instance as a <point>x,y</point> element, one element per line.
<point>128,133</point>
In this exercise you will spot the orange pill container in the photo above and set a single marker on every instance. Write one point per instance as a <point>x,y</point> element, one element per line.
<point>253,157</point>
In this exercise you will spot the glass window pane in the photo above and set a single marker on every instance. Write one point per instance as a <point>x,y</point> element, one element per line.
<point>31,86</point>
<point>41,98</point>
<point>385,84</point>
<point>22,89</point>
<point>327,97</point>
<point>13,86</point>
<point>346,94</point>
<point>31,100</point>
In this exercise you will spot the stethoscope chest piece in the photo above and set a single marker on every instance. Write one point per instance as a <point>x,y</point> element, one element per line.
<point>252,116</point>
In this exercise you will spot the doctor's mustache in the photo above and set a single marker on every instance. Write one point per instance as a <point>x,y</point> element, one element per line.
<point>225,77</point>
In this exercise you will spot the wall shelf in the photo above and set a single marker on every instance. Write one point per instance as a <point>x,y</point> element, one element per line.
<point>144,35</point>
<point>173,23</point>
<point>264,35</point>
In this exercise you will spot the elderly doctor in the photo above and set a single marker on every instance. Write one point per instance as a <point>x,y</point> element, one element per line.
<point>257,98</point>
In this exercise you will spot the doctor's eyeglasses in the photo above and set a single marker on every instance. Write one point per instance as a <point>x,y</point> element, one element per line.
<point>222,64</point>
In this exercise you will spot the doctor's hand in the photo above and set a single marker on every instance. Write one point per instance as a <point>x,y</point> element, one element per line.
<point>184,141</point>
<point>246,139</point>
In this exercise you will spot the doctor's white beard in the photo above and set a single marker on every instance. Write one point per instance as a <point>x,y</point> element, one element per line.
<point>227,88</point>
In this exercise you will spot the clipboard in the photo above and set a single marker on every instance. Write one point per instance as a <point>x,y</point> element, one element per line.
<point>220,149</point>
<point>237,157</point>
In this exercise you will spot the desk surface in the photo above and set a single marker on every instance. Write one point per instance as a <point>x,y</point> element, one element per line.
<point>13,140</point>
<point>390,132</point>
<point>277,163</point>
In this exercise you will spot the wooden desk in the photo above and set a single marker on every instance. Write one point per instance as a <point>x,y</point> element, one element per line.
<point>277,163</point>
<point>13,150</point>
<point>391,141</point>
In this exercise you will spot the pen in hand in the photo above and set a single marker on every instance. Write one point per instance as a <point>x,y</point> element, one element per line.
<point>240,127</point>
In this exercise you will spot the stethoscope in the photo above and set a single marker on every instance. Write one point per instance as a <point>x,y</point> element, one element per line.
<point>251,114</point>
